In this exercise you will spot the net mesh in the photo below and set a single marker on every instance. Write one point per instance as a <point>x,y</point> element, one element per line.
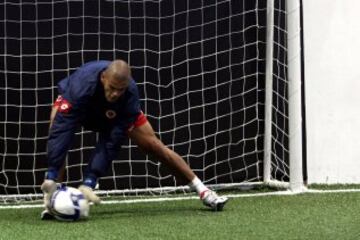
<point>199,66</point>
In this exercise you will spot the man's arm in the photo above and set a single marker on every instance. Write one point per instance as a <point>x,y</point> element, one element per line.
<point>61,132</point>
<point>52,115</point>
<point>61,173</point>
<point>63,123</point>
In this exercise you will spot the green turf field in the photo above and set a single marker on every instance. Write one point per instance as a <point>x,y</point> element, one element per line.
<point>306,216</point>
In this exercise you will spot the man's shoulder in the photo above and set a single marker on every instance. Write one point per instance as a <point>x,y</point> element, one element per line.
<point>132,84</point>
<point>89,73</point>
<point>132,88</point>
<point>97,64</point>
<point>83,82</point>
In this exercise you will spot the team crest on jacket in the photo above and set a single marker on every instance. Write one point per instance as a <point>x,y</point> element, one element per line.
<point>110,114</point>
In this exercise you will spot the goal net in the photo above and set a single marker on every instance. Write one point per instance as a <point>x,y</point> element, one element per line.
<point>200,69</point>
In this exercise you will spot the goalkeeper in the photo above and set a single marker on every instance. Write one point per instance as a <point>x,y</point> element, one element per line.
<point>102,96</point>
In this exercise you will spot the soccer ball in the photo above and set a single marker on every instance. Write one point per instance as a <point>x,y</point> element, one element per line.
<point>68,204</point>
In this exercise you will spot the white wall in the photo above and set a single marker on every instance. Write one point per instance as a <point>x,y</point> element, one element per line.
<point>332,75</point>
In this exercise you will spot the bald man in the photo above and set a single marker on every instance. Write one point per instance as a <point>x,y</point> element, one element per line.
<point>101,96</point>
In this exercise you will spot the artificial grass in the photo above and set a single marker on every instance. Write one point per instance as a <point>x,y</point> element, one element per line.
<point>304,216</point>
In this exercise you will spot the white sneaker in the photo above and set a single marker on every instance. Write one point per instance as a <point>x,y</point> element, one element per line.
<point>212,200</point>
<point>89,194</point>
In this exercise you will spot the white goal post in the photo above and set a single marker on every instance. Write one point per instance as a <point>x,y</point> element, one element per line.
<point>220,82</point>
<point>295,96</point>
<point>293,29</point>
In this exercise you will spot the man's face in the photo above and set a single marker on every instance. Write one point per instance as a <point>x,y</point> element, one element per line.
<point>113,88</point>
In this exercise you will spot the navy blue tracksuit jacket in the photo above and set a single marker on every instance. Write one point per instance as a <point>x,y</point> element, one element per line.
<point>82,102</point>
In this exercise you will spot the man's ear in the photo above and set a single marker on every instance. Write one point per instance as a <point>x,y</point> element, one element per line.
<point>102,77</point>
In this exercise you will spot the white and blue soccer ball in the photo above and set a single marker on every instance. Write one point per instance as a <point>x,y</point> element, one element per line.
<point>69,204</point>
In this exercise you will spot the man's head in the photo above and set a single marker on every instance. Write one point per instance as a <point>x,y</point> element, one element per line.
<point>115,80</point>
